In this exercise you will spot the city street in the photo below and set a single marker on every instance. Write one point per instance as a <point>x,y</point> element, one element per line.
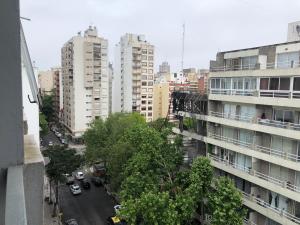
<point>50,137</point>
<point>92,207</point>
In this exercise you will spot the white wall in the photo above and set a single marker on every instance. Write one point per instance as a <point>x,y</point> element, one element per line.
<point>127,76</point>
<point>30,110</point>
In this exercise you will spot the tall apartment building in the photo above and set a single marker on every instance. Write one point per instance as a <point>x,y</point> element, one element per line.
<point>252,128</point>
<point>85,81</point>
<point>58,94</point>
<point>21,161</point>
<point>133,76</point>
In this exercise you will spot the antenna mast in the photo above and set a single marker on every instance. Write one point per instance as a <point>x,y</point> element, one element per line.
<point>182,50</point>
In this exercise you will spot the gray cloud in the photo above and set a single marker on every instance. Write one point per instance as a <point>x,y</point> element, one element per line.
<point>211,25</point>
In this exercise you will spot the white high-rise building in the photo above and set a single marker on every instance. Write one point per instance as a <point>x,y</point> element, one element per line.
<point>133,76</point>
<point>85,80</point>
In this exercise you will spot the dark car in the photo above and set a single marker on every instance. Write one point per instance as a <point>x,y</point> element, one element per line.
<point>97,181</point>
<point>85,184</point>
<point>99,169</point>
<point>71,222</point>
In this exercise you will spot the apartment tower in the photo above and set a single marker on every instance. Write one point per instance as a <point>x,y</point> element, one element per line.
<point>253,128</point>
<point>133,76</point>
<point>85,81</point>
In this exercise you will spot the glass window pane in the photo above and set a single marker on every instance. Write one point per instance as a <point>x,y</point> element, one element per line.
<point>218,83</point>
<point>284,83</point>
<point>296,83</point>
<point>288,116</point>
<point>264,83</point>
<point>228,83</point>
<point>213,83</point>
<point>253,84</point>
<point>274,83</point>
<point>240,83</point>
<point>278,115</point>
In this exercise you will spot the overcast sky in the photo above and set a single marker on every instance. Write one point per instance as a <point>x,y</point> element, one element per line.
<point>211,25</point>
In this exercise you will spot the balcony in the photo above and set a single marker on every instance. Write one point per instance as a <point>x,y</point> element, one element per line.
<point>286,129</point>
<point>284,159</point>
<point>264,208</point>
<point>284,188</point>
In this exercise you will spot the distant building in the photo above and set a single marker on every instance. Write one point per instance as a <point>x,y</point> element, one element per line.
<point>58,94</point>
<point>85,81</point>
<point>293,31</point>
<point>203,81</point>
<point>46,82</point>
<point>110,77</point>
<point>133,76</point>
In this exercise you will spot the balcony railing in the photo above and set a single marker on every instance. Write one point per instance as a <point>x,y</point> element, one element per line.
<point>253,119</point>
<point>248,222</point>
<point>233,92</point>
<point>252,146</point>
<point>277,210</point>
<point>273,180</point>
<point>256,66</point>
<point>257,93</point>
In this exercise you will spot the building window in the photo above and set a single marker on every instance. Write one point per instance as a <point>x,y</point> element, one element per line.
<point>150,52</point>
<point>144,83</point>
<point>144,96</point>
<point>144,70</point>
<point>296,84</point>
<point>150,64</point>
<point>150,89</point>
<point>150,114</point>
<point>150,71</point>
<point>288,60</point>
<point>150,102</point>
<point>144,102</point>
<point>275,83</point>
<point>249,62</point>
<point>144,64</point>
<point>150,58</point>
<point>144,77</point>
<point>144,108</point>
<point>150,108</point>
<point>144,51</point>
<point>144,57</point>
<point>150,83</point>
<point>150,77</point>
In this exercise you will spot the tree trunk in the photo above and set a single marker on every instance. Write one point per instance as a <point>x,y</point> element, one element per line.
<point>56,200</point>
<point>50,189</point>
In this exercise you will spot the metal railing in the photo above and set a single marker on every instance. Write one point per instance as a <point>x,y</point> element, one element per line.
<point>253,119</point>
<point>232,92</point>
<point>246,118</point>
<point>281,212</point>
<point>275,93</point>
<point>256,66</point>
<point>249,170</point>
<point>252,146</point>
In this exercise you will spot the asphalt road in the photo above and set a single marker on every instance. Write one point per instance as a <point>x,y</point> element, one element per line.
<point>92,207</point>
<point>50,137</point>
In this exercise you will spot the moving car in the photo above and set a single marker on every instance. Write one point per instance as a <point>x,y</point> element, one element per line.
<point>79,175</point>
<point>71,222</point>
<point>85,184</point>
<point>97,181</point>
<point>50,143</point>
<point>75,189</point>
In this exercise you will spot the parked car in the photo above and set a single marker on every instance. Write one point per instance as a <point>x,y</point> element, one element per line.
<point>71,222</point>
<point>99,169</point>
<point>75,189</point>
<point>97,181</point>
<point>79,175</point>
<point>85,184</point>
<point>50,143</point>
<point>70,179</point>
<point>114,220</point>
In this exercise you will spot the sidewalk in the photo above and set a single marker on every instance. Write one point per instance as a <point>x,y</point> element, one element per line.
<point>48,209</point>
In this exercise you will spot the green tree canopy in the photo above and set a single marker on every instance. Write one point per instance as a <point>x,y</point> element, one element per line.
<point>226,203</point>
<point>43,125</point>
<point>47,107</point>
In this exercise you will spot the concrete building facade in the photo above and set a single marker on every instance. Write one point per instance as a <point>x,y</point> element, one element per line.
<point>21,162</point>
<point>133,76</point>
<point>251,128</point>
<point>58,95</point>
<point>46,82</point>
<point>85,81</point>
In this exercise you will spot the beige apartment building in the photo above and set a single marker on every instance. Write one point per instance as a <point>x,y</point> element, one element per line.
<point>46,82</point>
<point>251,128</point>
<point>133,78</point>
<point>85,81</point>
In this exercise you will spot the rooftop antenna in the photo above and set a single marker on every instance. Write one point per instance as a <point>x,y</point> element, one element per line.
<point>182,50</point>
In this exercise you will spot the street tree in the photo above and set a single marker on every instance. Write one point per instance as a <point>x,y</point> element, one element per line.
<point>43,125</point>
<point>47,106</point>
<point>226,203</point>
<point>61,161</point>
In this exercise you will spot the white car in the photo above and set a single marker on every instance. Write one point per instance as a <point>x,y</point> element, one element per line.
<point>50,143</point>
<point>75,189</point>
<point>79,175</point>
<point>117,208</point>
